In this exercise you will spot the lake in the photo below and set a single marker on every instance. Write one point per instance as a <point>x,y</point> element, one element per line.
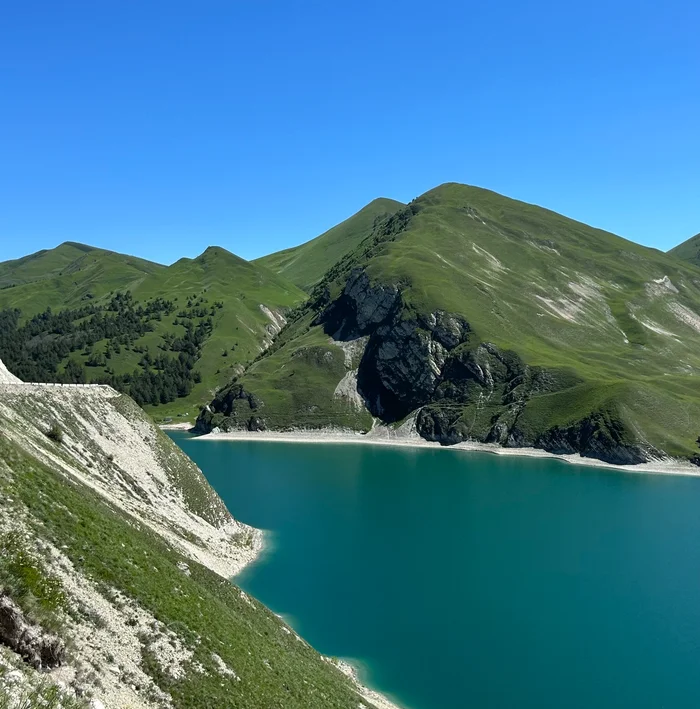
<point>458,579</point>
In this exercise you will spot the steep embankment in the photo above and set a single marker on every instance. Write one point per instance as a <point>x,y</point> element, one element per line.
<point>114,553</point>
<point>492,320</point>
<point>7,377</point>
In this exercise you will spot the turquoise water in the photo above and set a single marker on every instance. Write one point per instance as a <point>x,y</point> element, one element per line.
<point>470,580</point>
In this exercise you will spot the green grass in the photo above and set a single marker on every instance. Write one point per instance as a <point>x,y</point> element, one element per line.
<point>688,251</point>
<point>306,264</point>
<point>240,326</point>
<point>297,382</point>
<point>70,275</point>
<point>24,578</point>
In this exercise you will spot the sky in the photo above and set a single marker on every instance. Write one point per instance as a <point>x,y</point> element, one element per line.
<point>158,129</point>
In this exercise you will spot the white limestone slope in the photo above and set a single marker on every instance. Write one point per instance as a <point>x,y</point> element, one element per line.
<point>113,447</point>
<point>109,445</point>
<point>6,377</point>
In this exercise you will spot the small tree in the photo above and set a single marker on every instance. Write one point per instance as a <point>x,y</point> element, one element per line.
<point>55,433</point>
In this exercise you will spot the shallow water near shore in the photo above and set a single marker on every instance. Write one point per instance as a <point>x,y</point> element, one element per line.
<point>461,579</point>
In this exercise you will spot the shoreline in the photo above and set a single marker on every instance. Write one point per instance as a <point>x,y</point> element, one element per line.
<point>377,699</point>
<point>263,546</point>
<point>389,438</point>
<point>380,436</point>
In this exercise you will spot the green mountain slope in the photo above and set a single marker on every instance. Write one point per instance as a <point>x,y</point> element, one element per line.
<point>42,264</point>
<point>70,275</point>
<point>491,319</point>
<point>688,251</point>
<point>306,264</point>
<point>253,301</point>
<point>180,332</point>
<point>114,562</point>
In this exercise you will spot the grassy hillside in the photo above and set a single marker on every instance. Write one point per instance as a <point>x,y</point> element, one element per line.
<point>109,541</point>
<point>241,326</point>
<point>306,264</point>
<point>688,251</point>
<point>554,331</point>
<point>233,306</point>
<point>70,275</point>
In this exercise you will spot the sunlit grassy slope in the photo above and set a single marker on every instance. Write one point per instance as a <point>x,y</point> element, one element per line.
<point>622,319</point>
<point>68,276</point>
<point>688,251</point>
<point>240,326</point>
<point>306,264</point>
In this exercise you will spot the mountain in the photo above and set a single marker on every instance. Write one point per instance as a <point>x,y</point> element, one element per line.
<point>70,275</point>
<point>688,251</point>
<point>473,315</point>
<point>253,303</point>
<point>43,264</point>
<point>168,336</point>
<point>115,560</point>
<point>305,265</point>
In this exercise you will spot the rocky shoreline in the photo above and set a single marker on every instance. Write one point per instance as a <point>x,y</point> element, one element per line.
<point>406,436</point>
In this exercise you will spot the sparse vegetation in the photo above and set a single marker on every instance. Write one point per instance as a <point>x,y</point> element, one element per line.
<point>24,578</point>
<point>16,693</point>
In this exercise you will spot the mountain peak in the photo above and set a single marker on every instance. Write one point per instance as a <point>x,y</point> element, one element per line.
<point>304,265</point>
<point>77,245</point>
<point>688,251</point>
<point>217,254</point>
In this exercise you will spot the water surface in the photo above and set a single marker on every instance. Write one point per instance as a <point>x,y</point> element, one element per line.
<point>462,579</point>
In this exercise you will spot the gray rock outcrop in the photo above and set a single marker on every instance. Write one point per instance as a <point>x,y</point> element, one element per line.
<point>39,649</point>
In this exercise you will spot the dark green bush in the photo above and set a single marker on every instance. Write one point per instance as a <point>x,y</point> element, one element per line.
<point>55,433</point>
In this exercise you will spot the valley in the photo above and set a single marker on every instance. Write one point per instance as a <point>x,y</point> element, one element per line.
<point>469,315</point>
<point>463,320</point>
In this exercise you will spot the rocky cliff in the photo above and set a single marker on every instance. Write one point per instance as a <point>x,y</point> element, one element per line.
<point>433,366</point>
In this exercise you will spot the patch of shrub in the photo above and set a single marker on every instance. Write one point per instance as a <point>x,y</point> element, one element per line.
<point>55,433</point>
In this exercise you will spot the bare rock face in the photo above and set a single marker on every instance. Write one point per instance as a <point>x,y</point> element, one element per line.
<point>39,649</point>
<point>360,308</point>
<point>403,365</point>
<point>234,410</point>
<point>595,436</point>
<point>372,304</point>
<point>404,357</point>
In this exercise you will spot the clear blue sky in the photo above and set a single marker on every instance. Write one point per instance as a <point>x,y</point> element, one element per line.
<point>159,128</point>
